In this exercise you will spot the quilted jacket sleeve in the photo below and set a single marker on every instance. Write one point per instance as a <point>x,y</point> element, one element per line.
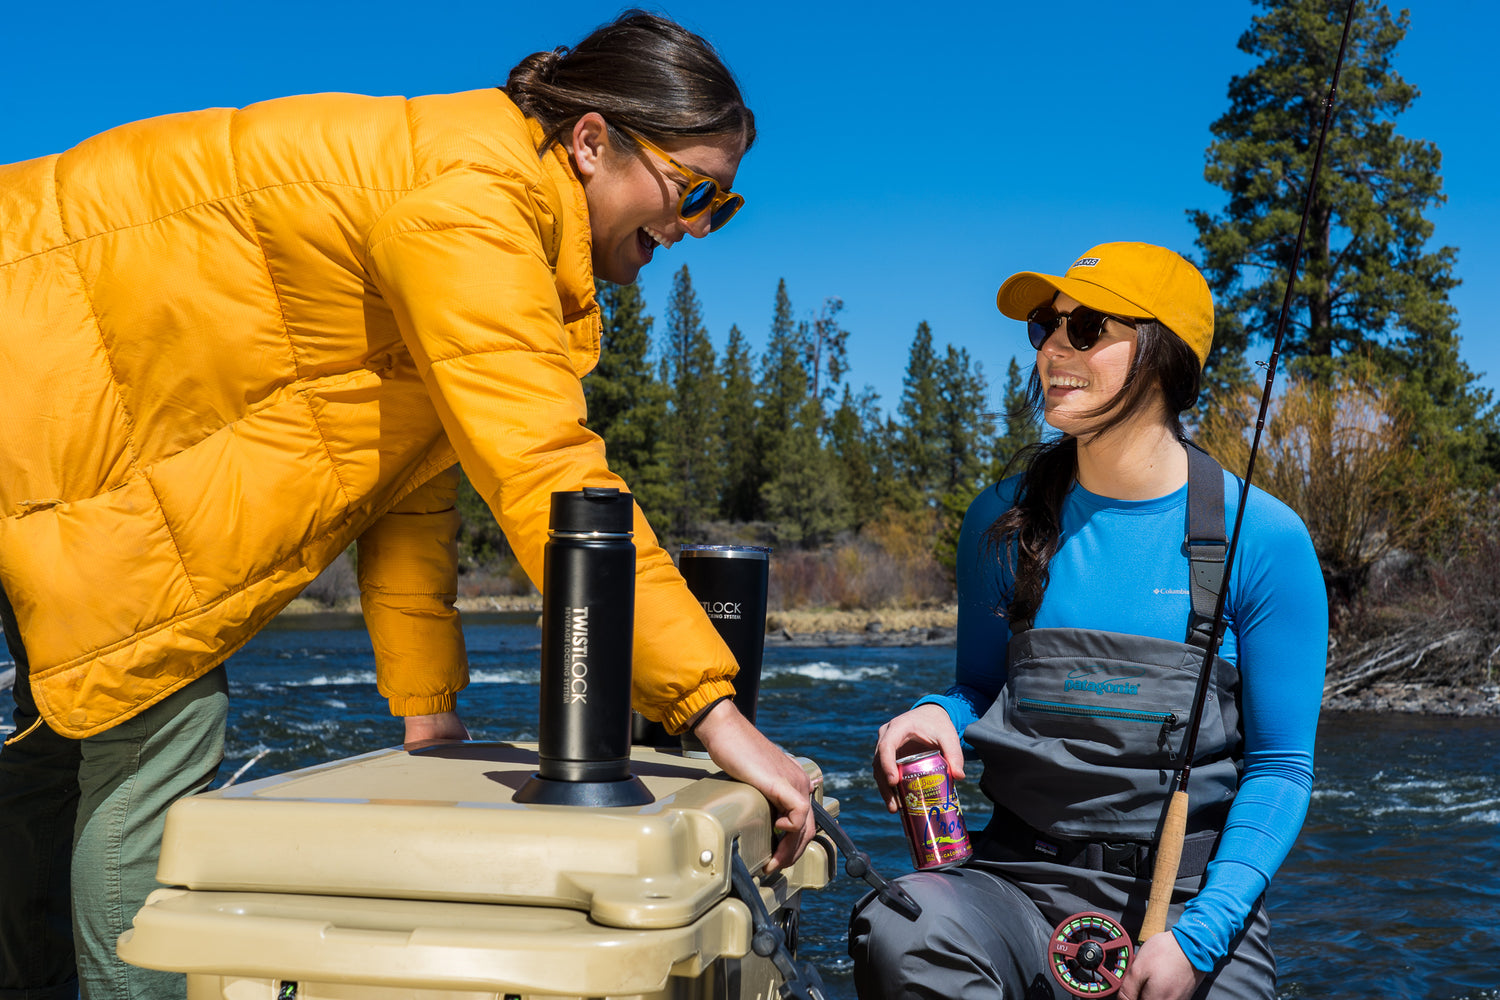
<point>463,263</point>
<point>408,579</point>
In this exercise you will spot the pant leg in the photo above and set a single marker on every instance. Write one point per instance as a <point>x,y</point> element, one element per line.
<point>1248,972</point>
<point>978,938</point>
<point>130,774</point>
<point>982,935</point>
<point>38,802</point>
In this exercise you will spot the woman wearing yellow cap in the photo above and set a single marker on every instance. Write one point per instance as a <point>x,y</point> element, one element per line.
<point>1087,586</point>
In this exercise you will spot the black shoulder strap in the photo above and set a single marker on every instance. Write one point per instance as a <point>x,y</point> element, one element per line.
<point>1207,542</point>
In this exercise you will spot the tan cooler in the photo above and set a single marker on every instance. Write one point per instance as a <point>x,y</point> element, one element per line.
<point>414,875</point>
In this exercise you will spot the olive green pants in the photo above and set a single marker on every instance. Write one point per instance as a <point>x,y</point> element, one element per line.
<point>90,812</point>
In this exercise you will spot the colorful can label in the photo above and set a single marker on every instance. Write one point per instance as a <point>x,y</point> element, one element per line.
<point>934,823</point>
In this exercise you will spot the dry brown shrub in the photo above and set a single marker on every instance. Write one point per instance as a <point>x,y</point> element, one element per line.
<point>501,578</point>
<point>1339,454</point>
<point>335,586</point>
<point>889,565</point>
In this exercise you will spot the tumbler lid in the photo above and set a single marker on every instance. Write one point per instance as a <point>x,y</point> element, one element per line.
<point>595,510</point>
<point>726,551</point>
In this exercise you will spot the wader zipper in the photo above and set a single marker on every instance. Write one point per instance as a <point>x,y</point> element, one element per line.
<point>1165,719</point>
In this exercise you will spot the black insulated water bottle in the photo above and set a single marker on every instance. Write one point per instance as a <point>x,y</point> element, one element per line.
<point>588,620</point>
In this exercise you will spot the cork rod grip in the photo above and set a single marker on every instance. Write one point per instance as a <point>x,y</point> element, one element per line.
<point>1168,859</point>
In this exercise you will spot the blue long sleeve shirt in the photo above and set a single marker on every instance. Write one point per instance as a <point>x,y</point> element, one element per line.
<point>1120,567</point>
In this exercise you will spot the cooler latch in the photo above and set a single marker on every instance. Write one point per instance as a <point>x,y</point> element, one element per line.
<point>799,979</point>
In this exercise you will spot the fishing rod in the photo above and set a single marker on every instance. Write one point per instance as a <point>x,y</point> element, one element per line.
<point>1089,952</point>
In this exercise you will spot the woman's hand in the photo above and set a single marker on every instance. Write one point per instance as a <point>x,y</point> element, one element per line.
<point>746,755</point>
<point>923,728</point>
<point>1160,971</point>
<point>434,728</point>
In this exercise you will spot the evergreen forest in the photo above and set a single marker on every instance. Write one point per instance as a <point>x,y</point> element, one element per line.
<point>1380,435</point>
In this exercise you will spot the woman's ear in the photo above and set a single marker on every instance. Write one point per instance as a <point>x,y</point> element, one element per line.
<point>589,138</point>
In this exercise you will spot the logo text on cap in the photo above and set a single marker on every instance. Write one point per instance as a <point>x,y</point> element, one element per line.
<point>1086,262</point>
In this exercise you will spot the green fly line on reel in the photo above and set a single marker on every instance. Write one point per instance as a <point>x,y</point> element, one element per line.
<point>1088,954</point>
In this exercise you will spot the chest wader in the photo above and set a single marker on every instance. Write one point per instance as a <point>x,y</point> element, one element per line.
<point>1081,746</point>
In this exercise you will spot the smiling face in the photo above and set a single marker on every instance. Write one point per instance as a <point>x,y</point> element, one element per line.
<point>632,195</point>
<point>1078,386</point>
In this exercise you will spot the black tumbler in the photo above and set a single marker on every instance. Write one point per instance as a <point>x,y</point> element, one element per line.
<point>730,583</point>
<point>588,620</point>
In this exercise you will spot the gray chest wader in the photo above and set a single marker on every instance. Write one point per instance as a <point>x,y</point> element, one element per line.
<point>1080,750</point>
<point>1081,745</point>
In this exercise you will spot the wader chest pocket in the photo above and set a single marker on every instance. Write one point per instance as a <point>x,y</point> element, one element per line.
<point>1084,737</point>
<point>1130,724</point>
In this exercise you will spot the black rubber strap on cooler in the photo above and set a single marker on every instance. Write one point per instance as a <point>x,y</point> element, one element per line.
<point>1207,542</point>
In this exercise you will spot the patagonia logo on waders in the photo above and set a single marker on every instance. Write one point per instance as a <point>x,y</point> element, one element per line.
<point>1088,679</point>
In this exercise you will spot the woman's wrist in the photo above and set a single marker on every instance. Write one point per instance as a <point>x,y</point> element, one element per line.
<point>692,726</point>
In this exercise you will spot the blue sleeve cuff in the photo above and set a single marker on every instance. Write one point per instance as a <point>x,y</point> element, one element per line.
<point>959,702</point>
<point>1216,914</point>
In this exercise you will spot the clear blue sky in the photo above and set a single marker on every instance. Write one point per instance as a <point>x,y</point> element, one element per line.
<point>911,156</point>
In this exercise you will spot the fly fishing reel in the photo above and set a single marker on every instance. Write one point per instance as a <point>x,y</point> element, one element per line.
<point>1088,954</point>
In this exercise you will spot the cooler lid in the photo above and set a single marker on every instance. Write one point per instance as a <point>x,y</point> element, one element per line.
<point>421,945</point>
<point>439,823</point>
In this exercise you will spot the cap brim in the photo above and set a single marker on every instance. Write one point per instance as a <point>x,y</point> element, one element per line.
<point>1023,292</point>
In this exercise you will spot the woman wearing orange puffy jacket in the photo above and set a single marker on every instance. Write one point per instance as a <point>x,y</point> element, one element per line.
<point>236,341</point>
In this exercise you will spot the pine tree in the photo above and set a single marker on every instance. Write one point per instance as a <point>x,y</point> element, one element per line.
<point>858,443</point>
<point>738,415</point>
<point>780,391</point>
<point>800,489</point>
<point>965,429</point>
<point>692,424</point>
<point>1021,427</point>
<point>804,496</point>
<point>783,376</point>
<point>825,350</point>
<point>919,449</point>
<point>1369,290</point>
<point>965,426</point>
<point>627,404</point>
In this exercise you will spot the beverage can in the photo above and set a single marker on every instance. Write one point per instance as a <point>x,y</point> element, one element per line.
<point>930,812</point>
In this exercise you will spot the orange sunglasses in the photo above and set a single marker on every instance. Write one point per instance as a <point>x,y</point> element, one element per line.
<point>702,193</point>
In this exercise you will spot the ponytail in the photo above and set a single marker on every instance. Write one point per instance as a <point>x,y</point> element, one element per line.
<point>641,71</point>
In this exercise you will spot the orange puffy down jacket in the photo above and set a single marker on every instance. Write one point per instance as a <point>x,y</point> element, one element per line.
<point>236,341</point>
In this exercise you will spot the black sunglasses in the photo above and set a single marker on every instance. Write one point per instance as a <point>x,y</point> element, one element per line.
<point>1085,325</point>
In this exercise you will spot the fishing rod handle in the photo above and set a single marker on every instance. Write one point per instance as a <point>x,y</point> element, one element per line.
<point>1168,861</point>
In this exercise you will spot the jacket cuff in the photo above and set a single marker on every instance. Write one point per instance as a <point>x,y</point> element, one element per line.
<point>404,705</point>
<point>695,703</point>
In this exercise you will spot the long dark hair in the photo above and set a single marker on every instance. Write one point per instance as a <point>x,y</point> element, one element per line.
<point>1027,534</point>
<point>642,71</point>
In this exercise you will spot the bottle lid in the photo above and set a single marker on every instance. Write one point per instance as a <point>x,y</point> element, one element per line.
<point>593,510</point>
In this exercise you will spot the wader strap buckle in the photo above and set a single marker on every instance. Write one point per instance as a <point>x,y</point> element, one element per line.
<point>1206,541</point>
<point>799,979</point>
<point>1118,859</point>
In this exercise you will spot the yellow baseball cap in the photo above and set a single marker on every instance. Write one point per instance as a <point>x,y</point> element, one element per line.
<point>1137,280</point>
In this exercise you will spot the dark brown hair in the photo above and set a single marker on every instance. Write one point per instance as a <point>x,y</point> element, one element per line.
<point>1027,534</point>
<point>641,71</point>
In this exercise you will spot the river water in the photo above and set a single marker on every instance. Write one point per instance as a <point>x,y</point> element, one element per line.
<point>1393,890</point>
